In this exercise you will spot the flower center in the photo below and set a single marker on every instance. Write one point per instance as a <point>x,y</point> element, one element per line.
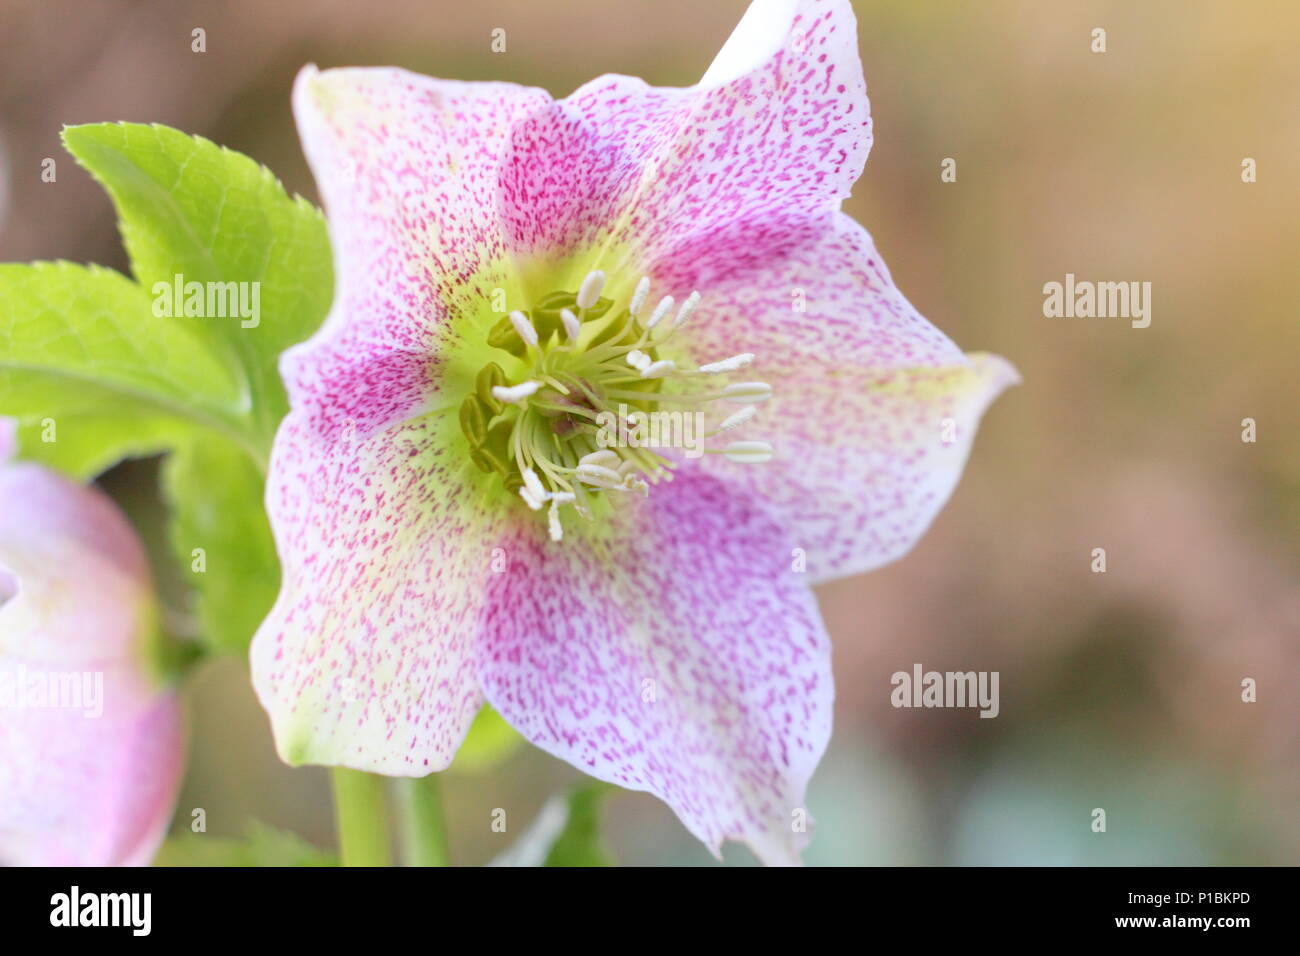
<point>585,423</point>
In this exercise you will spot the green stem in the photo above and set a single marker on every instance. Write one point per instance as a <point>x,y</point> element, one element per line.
<point>361,818</point>
<point>423,827</point>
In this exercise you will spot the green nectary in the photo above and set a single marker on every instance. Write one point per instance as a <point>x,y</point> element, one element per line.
<point>577,377</point>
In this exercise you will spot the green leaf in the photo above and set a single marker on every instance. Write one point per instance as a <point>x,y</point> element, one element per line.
<point>97,368</point>
<point>264,846</point>
<point>92,375</point>
<point>191,208</point>
<point>565,833</point>
<point>222,538</point>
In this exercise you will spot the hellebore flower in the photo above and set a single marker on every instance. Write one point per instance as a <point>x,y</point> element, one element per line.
<point>90,744</point>
<point>519,279</point>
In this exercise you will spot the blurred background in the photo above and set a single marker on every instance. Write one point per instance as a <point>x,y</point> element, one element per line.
<point>1119,690</point>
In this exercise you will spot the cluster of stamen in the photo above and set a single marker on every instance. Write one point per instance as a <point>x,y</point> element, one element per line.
<point>592,371</point>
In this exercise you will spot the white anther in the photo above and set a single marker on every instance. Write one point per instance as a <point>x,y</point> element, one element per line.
<point>629,467</point>
<point>524,327</point>
<point>735,363</point>
<point>747,393</point>
<point>530,499</point>
<point>687,308</point>
<point>572,327</point>
<point>599,476</point>
<point>589,293</point>
<point>658,369</point>
<point>633,483</point>
<point>639,296</point>
<point>553,522</point>
<point>534,484</point>
<point>515,394</point>
<point>748,452</point>
<point>662,309</point>
<point>563,497</point>
<point>638,360</point>
<point>602,459</point>
<point>736,419</point>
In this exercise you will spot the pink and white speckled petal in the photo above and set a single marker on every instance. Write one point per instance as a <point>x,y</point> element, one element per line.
<point>795,291</point>
<point>674,652</point>
<point>865,460</point>
<point>862,384</point>
<point>407,168</point>
<point>780,124</point>
<point>364,661</point>
<point>92,784</point>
